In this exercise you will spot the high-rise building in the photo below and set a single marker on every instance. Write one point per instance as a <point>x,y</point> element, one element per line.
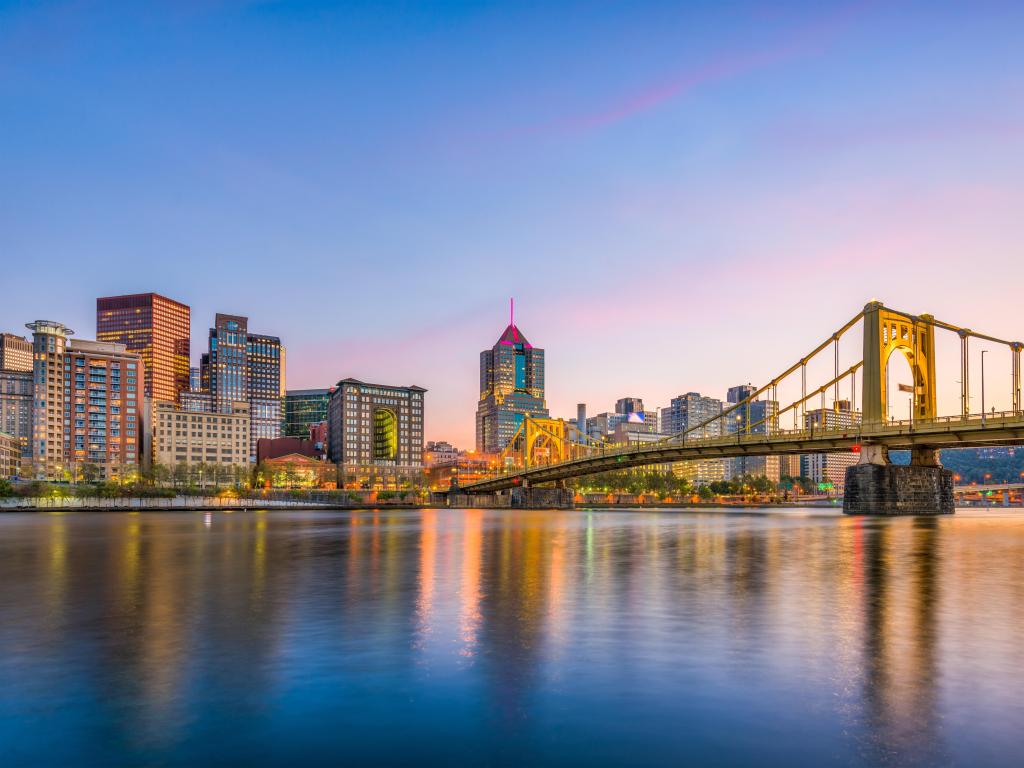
<point>86,411</point>
<point>690,411</point>
<point>304,408</point>
<point>266,358</point>
<point>828,470</point>
<point>757,417</point>
<point>159,330</point>
<point>15,353</point>
<point>511,388</point>
<point>16,408</point>
<point>195,381</point>
<point>227,361</point>
<point>375,434</point>
<point>245,366</point>
<point>48,447</point>
<point>740,393</point>
<point>693,413</point>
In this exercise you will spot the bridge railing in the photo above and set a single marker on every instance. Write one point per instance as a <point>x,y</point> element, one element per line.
<point>978,422</point>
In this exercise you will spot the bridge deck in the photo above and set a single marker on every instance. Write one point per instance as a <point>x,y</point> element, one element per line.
<point>944,432</point>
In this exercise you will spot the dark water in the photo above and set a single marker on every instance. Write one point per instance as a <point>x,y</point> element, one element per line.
<point>432,637</point>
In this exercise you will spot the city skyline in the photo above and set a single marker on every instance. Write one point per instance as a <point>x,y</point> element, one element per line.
<point>666,165</point>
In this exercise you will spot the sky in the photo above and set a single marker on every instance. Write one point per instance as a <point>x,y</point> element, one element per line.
<point>680,196</point>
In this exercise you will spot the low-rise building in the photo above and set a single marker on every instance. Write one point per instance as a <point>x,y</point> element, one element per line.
<point>295,470</point>
<point>274,448</point>
<point>439,453</point>
<point>188,437</point>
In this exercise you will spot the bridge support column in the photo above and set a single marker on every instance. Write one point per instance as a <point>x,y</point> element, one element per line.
<point>876,487</point>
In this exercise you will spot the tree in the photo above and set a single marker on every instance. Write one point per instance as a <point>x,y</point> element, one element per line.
<point>6,489</point>
<point>90,472</point>
<point>180,474</point>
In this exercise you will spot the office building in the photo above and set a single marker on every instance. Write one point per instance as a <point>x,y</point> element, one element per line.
<point>266,358</point>
<point>195,382</point>
<point>828,470</point>
<point>245,366</point>
<point>158,329</point>
<point>15,353</point>
<point>375,434</point>
<point>226,364</point>
<point>16,408</point>
<point>303,409</point>
<point>511,389</point>
<point>693,413</point>
<point>10,456</point>
<point>758,417</point>
<point>187,437</point>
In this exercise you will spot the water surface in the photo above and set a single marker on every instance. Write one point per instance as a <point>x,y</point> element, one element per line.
<point>794,637</point>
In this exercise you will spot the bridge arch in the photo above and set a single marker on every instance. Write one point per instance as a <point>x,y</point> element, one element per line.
<point>913,337</point>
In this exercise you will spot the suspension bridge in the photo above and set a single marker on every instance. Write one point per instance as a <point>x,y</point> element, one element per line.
<point>551,451</point>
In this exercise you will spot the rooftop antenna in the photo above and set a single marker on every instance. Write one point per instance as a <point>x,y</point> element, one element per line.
<point>512,318</point>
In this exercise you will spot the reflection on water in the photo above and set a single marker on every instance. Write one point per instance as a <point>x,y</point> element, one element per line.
<point>797,637</point>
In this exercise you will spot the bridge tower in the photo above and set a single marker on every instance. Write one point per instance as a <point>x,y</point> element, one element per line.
<point>886,333</point>
<point>874,486</point>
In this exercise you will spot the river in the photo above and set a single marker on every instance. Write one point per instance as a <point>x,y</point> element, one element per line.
<point>783,637</point>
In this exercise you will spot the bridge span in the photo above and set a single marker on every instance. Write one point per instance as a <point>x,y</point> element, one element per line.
<point>946,432</point>
<point>551,451</point>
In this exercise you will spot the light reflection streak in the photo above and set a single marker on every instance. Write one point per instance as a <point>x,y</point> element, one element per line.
<point>469,592</point>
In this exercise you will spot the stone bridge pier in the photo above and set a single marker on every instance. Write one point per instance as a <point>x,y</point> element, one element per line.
<point>876,487</point>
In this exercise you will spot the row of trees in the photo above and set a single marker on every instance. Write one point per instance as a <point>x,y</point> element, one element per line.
<point>666,485</point>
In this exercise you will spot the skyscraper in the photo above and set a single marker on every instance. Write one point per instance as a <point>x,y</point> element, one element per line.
<point>159,330</point>
<point>511,388</point>
<point>266,359</point>
<point>250,367</point>
<point>227,362</point>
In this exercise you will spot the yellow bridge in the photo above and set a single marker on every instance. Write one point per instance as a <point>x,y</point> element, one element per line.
<point>552,450</point>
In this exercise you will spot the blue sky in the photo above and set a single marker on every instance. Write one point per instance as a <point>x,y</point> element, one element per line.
<point>681,196</point>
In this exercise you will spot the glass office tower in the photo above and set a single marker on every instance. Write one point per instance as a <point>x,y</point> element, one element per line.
<point>511,388</point>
